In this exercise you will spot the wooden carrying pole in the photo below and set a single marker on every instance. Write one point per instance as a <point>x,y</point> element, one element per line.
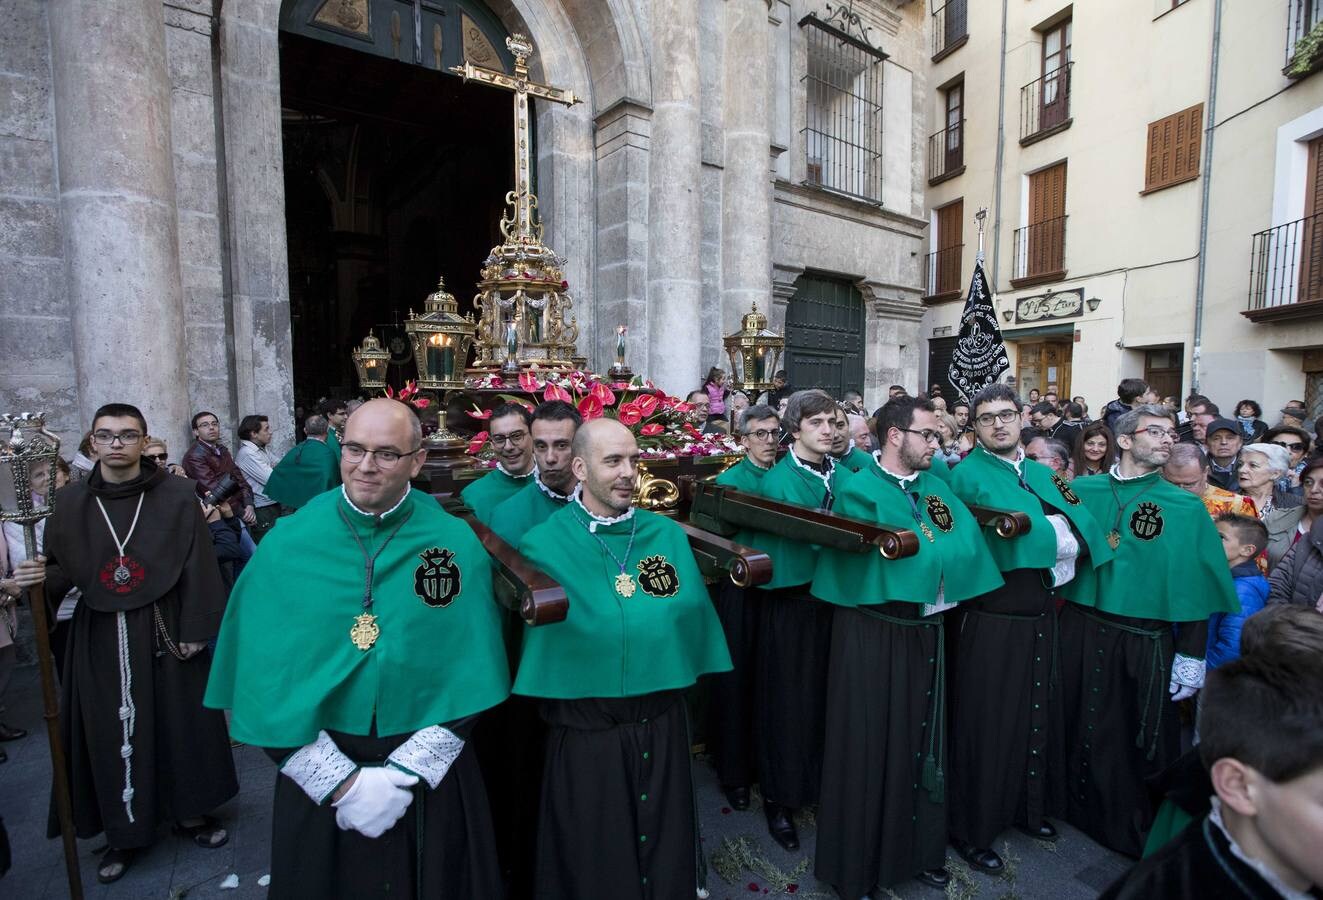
<point>51,713</point>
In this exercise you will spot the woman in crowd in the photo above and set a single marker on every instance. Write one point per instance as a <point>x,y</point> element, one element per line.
<point>1298,577</point>
<point>949,451</point>
<point>1260,467</point>
<point>1250,416</point>
<point>1095,451</point>
<point>715,385</point>
<point>85,459</point>
<point>1287,526</point>
<point>1296,442</point>
<point>738,402</point>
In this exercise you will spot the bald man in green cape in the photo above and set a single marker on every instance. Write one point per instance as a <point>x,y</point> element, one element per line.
<point>308,469</point>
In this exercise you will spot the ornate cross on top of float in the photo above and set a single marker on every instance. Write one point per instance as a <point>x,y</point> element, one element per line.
<point>520,85</point>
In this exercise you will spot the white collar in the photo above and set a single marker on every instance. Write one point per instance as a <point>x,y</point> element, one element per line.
<point>1115,472</point>
<point>824,477</point>
<point>1016,463</point>
<point>1267,874</point>
<point>508,474</point>
<point>562,498</point>
<point>363,512</point>
<point>594,520</point>
<point>903,479</point>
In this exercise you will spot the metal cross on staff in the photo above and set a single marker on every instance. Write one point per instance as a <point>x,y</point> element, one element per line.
<point>522,87</point>
<point>980,217</point>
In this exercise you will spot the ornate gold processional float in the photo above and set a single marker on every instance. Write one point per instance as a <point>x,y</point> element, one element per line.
<point>524,345</point>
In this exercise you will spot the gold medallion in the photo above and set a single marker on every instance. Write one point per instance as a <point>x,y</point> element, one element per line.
<point>624,585</point>
<point>927,532</point>
<point>365,631</point>
<point>1113,539</point>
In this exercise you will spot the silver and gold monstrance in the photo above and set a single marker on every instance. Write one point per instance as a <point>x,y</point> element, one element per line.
<point>755,354</point>
<point>523,297</point>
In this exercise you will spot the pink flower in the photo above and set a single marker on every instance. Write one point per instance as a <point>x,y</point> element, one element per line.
<point>647,404</point>
<point>651,430</point>
<point>477,413</point>
<point>556,392</point>
<point>630,414</point>
<point>528,381</point>
<point>421,402</point>
<point>477,443</point>
<point>590,408</point>
<point>681,407</point>
<point>603,394</point>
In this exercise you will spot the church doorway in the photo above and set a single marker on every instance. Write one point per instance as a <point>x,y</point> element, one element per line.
<point>395,172</point>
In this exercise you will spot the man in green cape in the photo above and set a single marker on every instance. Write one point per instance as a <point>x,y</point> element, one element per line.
<point>843,447</point>
<point>336,414</point>
<point>357,648</point>
<point>731,731</point>
<point>883,813</point>
<point>617,818</point>
<point>794,635</point>
<point>1000,726</point>
<point>308,469</point>
<point>1119,660</point>
<point>512,438</point>
<point>552,482</point>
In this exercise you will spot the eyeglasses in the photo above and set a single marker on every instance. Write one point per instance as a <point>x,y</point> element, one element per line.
<point>387,458</point>
<point>763,434</point>
<point>1294,445</point>
<point>159,457</point>
<point>1158,432</point>
<point>1006,417</point>
<point>513,438</point>
<point>106,438</point>
<point>927,435</point>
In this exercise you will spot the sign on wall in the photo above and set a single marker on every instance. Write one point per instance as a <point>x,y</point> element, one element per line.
<point>1057,305</point>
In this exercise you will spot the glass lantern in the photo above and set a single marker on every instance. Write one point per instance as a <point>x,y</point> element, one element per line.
<point>441,338</point>
<point>755,354</point>
<point>371,359</point>
<point>27,469</point>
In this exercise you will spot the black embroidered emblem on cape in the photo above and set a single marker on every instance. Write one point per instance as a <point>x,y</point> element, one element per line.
<point>1146,521</point>
<point>939,512</point>
<point>436,580</point>
<point>1066,493</point>
<point>658,577</point>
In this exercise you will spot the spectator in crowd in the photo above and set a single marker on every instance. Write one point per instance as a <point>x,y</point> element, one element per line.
<point>1296,442</point>
<point>861,432</point>
<point>1051,398</point>
<point>1223,442</point>
<point>938,404</point>
<point>1261,466</point>
<point>736,403</point>
<point>308,469</point>
<point>1033,397</point>
<point>1128,393</point>
<point>1187,468</point>
<point>1050,452</point>
<point>256,461</point>
<point>896,390</point>
<point>781,389</point>
<point>9,594</point>
<point>1047,418</point>
<point>1298,578</point>
<point>85,458</point>
<point>1072,413</point>
<point>156,449</point>
<point>1204,415</point>
<point>701,404</point>
<point>948,432</point>
<point>351,405</point>
<point>714,385</point>
<point>1287,526</point>
<point>854,403</point>
<point>1250,416</point>
<point>1243,539</point>
<point>1294,414</point>
<point>209,463</point>
<point>960,410</point>
<point>1084,409</point>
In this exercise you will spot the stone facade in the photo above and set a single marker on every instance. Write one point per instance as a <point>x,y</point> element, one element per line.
<point>142,212</point>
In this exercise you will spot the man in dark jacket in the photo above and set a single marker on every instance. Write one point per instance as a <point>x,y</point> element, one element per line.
<point>1222,443</point>
<point>1298,578</point>
<point>1128,393</point>
<point>208,462</point>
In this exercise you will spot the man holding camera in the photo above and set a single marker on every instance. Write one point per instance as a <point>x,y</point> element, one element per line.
<point>221,483</point>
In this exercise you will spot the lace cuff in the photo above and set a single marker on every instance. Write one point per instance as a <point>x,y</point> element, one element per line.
<point>429,754</point>
<point>1188,671</point>
<point>319,768</point>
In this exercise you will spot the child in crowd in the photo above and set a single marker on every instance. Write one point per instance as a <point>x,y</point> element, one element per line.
<point>1243,539</point>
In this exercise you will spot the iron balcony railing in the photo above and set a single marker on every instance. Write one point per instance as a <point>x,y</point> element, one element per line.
<point>946,150</point>
<point>1286,264</point>
<point>1045,102</point>
<point>1040,249</point>
<point>950,24</point>
<point>1301,17</point>
<point>944,270</point>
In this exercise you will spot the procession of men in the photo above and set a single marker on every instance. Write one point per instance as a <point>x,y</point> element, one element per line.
<point>429,744</point>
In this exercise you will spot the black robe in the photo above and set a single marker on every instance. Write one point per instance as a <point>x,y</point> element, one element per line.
<point>1196,863</point>
<point>1001,703</point>
<point>730,720</point>
<point>618,818</point>
<point>441,846</point>
<point>881,820</point>
<point>1118,726</point>
<point>181,766</point>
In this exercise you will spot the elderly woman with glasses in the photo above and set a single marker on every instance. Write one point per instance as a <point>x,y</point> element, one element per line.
<point>1296,441</point>
<point>1260,467</point>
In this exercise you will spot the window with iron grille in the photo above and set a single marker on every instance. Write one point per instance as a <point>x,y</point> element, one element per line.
<point>843,112</point>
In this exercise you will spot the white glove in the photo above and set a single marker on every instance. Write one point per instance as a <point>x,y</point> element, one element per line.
<point>375,801</point>
<point>1187,677</point>
<point>429,754</point>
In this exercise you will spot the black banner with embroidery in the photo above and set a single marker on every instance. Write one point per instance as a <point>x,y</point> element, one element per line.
<point>980,353</point>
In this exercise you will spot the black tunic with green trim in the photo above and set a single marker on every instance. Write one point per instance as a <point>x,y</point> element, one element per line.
<point>286,666</point>
<point>1001,727</point>
<point>1119,725</point>
<point>883,813</point>
<point>484,494</point>
<point>794,643</point>
<point>617,816</point>
<point>730,721</point>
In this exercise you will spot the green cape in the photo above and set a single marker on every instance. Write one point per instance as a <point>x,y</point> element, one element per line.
<point>485,493</point>
<point>793,561</point>
<point>983,479</point>
<point>305,471</point>
<point>1169,565</point>
<point>956,558</point>
<point>333,441</point>
<point>661,638</point>
<point>284,661</point>
<point>856,459</point>
<point>528,507</point>
<point>747,477</point>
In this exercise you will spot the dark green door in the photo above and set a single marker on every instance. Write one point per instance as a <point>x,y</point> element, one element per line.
<point>825,335</point>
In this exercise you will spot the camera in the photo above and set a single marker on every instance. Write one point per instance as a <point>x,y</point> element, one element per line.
<point>225,488</point>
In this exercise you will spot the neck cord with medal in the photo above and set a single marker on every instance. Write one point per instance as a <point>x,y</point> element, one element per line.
<point>624,584</point>
<point>121,575</point>
<point>1114,536</point>
<point>914,505</point>
<point>365,631</point>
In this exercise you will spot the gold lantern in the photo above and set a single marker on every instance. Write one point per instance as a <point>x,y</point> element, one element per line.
<point>371,359</point>
<point>441,338</point>
<point>755,354</point>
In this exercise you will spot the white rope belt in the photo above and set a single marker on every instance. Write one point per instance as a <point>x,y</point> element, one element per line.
<point>128,713</point>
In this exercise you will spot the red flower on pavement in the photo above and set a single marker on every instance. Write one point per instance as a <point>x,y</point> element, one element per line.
<point>477,443</point>
<point>556,392</point>
<point>630,414</point>
<point>604,394</point>
<point>647,404</point>
<point>528,381</point>
<point>590,408</point>
<point>651,430</point>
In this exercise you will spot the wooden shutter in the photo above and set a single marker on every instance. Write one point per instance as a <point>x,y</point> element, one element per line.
<point>1174,145</point>
<point>1047,223</point>
<point>1047,194</point>
<point>1311,238</point>
<point>950,244</point>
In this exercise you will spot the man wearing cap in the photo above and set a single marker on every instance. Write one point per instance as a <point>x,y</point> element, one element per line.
<point>1222,440</point>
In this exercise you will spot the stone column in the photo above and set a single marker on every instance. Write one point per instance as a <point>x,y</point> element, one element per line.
<point>746,226</point>
<point>675,286</point>
<point>117,199</point>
